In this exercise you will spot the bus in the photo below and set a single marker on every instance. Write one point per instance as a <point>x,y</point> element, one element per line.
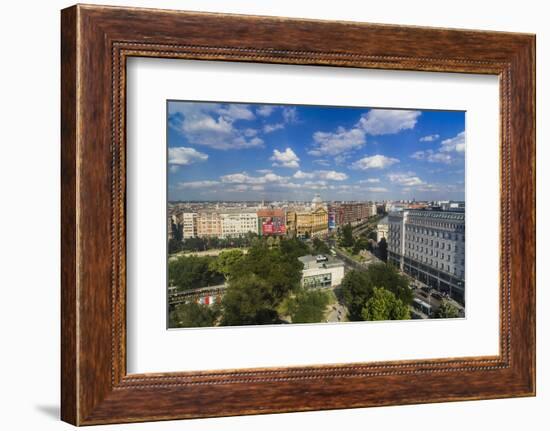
<point>422,306</point>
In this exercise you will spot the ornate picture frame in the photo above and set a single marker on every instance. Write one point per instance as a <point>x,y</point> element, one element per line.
<point>96,41</point>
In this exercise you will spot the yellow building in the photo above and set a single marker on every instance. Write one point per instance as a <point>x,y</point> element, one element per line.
<point>311,221</point>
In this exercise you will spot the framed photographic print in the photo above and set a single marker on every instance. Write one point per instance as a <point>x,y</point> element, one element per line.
<point>267,215</point>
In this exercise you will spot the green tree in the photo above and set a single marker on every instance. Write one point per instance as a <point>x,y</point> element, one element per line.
<point>293,247</point>
<point>383,250</point>
<point>174,246</point>
<point>194,244</point>
<point>191,272</point>
<point>446,311</point>
<point>360,244</point>
<point>320,247</point>
<point>193,315</point>
<point>358,287</point>
<point>383,305</point>
<point>225,261</point>
<point>308,306</point>
<point>346,239</point>
<point>281,271</point>
<point>386,276</point>
<point>248,300</point>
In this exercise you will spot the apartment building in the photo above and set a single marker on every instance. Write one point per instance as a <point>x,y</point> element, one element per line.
<point>189,225</point>
<point>238,223</point>
<point>209,224</point>
<point>429,245</point>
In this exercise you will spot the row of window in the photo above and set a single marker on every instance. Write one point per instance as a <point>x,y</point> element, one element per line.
<point>442,266</point>
<point>437,255</point>
<point>432,244</point>
<point>429,250</point>
<point>442,224</point>
<point>435,233</point>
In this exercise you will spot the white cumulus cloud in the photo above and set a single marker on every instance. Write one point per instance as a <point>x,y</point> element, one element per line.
<point>269,128</point>
<point>388,121</point>
<point>300,175</point>
<point>429,138</point>
<point>457,143</point>
<point>375,122</point>
<point>321,175</point>
<point>290,115</point>
<point>340,141</point>
<point>244,178</point>
<point>183,156</point>
<point>450,151</point>
<point>197,184</point>
<point>214,125</point>
<point>377,161</point>
<point>265,110</point>
<point>408,179</point>
<point>285,159</point>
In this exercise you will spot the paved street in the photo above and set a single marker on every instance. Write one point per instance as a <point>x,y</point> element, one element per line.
<point>337,313</point>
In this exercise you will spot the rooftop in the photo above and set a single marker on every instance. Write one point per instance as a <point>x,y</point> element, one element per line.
<point>320,261</point>
<point>275,212</point>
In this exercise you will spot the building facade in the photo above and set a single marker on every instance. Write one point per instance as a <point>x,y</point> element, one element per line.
<point>271,222</point>
<point>382,229</point>
<point>312,223</point>
<point>209,224</point>
<point>321,271</point>
<point>238,223</point>
<point>309,221</point>
<point>353,213</point>
<point>429,245</point>
<point>189,225</point>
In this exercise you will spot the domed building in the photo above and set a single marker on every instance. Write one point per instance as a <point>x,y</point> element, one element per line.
<point>317,201</point>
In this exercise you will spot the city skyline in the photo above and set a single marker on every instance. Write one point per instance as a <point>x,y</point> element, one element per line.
<point>254,152</point>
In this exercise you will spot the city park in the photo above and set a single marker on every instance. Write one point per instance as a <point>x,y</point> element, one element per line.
<point>261,281</point>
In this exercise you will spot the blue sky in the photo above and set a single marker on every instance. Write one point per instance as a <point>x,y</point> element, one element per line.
<point>234,151</point>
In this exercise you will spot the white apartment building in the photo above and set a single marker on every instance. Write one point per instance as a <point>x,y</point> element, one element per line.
<point>372,209</point>
<point>238,223</point>
<point>382,229</point>
<point>189,225</point>
<point>429,245</point>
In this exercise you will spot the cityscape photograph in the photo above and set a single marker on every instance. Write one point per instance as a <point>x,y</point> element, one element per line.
<point>293,214</point>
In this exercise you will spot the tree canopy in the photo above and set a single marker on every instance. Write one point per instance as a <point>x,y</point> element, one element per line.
<point>446,311</point>
<point>320,247</point>
<point>356,290</point>
<point>308,306</point>
<point>191,272</point>
<point>358,287</point>
<point>248,300</point>
<point>360,244</point>
<point>225,261</point>
<point>383,305</point>
<point>278,266</point>
<point>192,315</point>
<point>346,238</point>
